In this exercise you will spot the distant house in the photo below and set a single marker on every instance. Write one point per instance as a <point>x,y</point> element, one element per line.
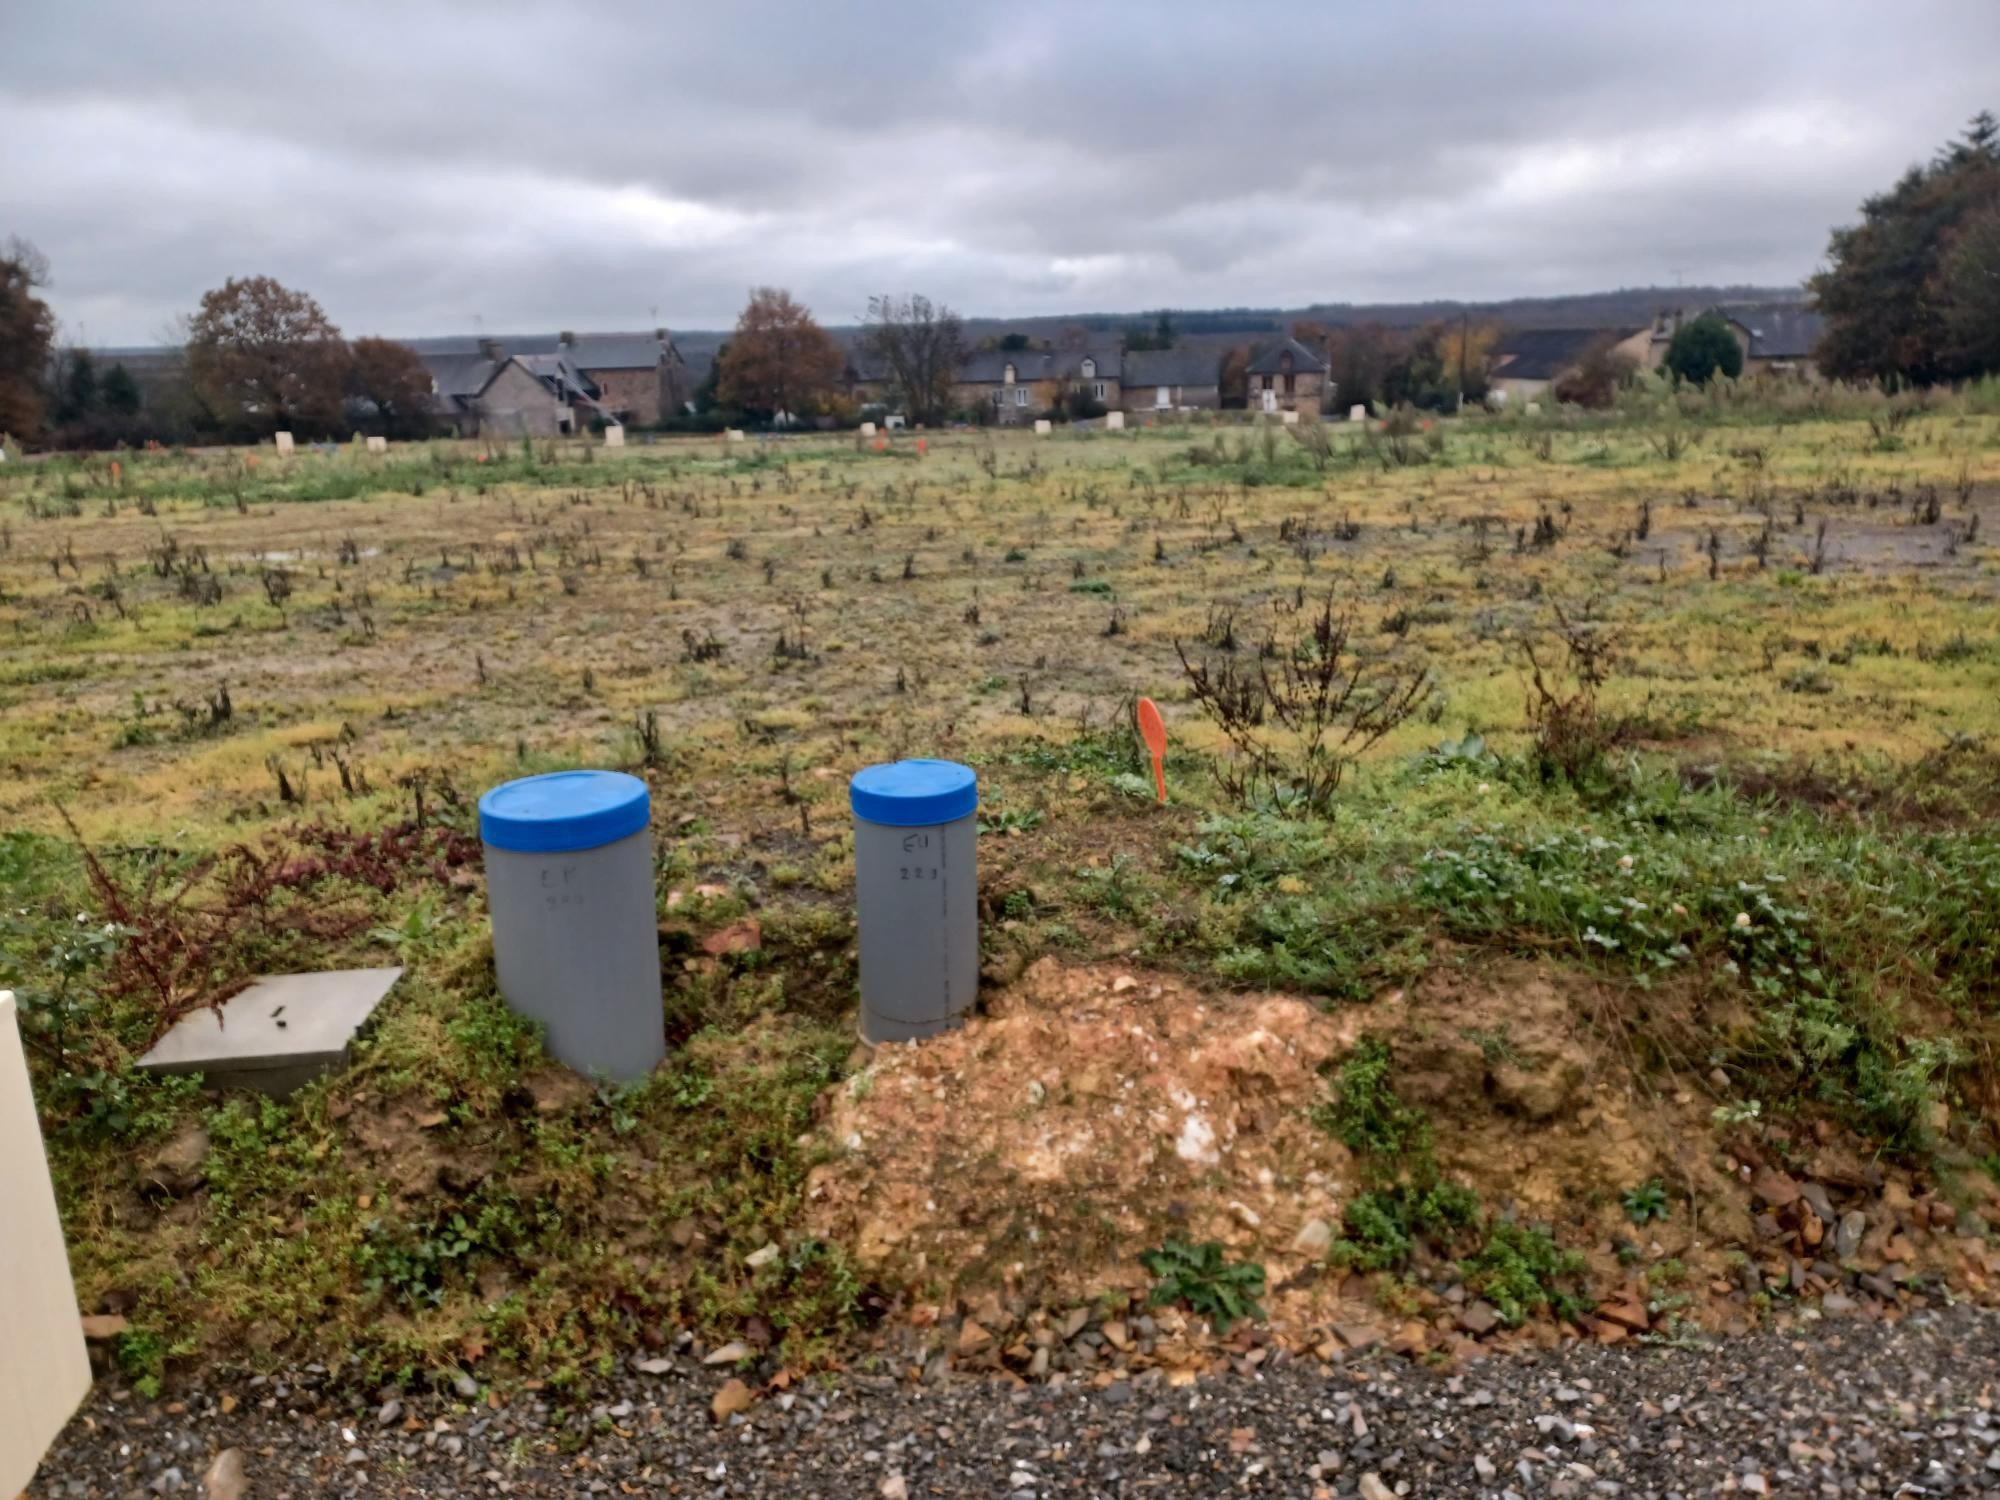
<point>1286,376</point>
<point>1527,361</point>
<point>640,378</point>
<point>490,393</point>
<point>1163,380</point>
<point>1778,338</point>
<point>1019,385</point>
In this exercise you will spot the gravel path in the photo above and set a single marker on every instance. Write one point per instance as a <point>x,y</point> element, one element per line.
<point>1839,1407</point>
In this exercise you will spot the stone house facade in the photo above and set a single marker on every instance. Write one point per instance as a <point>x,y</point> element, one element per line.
<point>490,393</point>
<point>639,378</point>
<point>1286,376</point>
<point>1169,380</point>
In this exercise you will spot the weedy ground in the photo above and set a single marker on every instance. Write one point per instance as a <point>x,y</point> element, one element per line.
<point>1702,766</point>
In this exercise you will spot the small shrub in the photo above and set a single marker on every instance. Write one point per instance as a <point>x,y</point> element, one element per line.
<point>1646,1202</point>
<point>1214,1288</point>
<point>1521,1268</point>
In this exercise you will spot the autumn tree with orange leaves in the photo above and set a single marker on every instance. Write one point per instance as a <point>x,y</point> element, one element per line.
<point>778,359</point>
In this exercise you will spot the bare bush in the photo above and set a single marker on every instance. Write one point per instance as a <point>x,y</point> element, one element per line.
<point>1300,717</point>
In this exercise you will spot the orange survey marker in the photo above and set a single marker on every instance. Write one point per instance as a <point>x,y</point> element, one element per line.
<point>1153,730</point>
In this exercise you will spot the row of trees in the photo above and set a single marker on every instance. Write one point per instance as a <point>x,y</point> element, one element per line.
<point>258,357</point>
<point>1428,367</point>
<point>780,364</point>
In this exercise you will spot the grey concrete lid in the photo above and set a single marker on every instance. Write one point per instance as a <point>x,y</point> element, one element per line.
<point>282,1023</point>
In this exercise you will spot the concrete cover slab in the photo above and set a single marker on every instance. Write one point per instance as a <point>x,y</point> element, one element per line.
<point>284,1031</point>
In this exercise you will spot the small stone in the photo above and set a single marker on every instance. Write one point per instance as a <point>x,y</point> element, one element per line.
<point>1818,1201</point>
<point>391,1411</point>
<point>734,1397</point>
<point>729,1354</point>
<point>1314,1239</point>
<point>227,1477</point>
<point>894,1487</point>
<point>1847,1234</point>
<point>180,1166</point>
<point>972,1337</point>
<point>1123,983</point>
<point>756,1260</point>
<point>745,936</point>
<point>356,1456</point>
<point>464,1386</point>
<point>1484,1467</point>
<point>1479,1319</point>
<point>1775,1188</point>
<point>1372,1487</point>
<point>169,1482</point>
<point>98,1327</point>
<point>654,1366</point>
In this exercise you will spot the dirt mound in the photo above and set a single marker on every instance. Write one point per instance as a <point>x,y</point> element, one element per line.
<point>1090,1114</point>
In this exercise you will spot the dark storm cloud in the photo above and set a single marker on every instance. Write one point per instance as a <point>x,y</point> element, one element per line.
<point>533,165</point>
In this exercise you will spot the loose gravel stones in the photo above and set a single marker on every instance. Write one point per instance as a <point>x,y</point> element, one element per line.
<point>1828,1406</point>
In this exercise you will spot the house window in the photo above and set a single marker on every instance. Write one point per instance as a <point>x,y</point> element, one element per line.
<point>1267,382</point>
<point>1162,396</point>
<point>1020,395</point>
<point>998,395</point>
<point>1090,372</point>
<point>1008,375</point>
<point>1097,390</point>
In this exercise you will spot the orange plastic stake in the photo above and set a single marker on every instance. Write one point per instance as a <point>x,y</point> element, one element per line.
<point>880,442</point>
<point>1153,730</point>
<point>922,448</point>
<point>117,473</point>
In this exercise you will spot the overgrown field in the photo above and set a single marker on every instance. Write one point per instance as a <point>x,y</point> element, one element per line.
<point>1679,722</point>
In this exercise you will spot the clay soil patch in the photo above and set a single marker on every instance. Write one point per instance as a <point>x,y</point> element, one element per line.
<point>1092,1113</point>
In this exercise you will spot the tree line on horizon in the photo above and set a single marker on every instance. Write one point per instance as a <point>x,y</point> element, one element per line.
<point>1910,293</point>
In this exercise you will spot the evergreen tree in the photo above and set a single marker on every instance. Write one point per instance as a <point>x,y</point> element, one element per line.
<point>119,392</point>
<point>1887,287</point>
<point>78,398</point>
<point>1703,348</point>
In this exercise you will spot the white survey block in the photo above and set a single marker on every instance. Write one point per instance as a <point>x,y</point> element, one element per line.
<point>44,1371</point>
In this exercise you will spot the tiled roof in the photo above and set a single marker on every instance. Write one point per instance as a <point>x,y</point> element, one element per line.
<point>1268,360</point>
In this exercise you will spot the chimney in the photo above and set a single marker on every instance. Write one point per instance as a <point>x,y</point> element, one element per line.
<point>660,334</point>
<point>567,339</point>
<point>490,349</point>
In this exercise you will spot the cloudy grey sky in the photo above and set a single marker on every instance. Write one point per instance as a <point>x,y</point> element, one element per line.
<point>419,163</point>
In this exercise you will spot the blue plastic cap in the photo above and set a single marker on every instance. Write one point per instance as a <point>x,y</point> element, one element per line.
<point>564,811</point>
<point>914,793</point>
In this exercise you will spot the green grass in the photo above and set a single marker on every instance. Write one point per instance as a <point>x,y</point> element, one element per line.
<point>1813,754</point>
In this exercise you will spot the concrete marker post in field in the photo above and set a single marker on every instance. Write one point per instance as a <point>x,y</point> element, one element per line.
<point>916,880</point>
